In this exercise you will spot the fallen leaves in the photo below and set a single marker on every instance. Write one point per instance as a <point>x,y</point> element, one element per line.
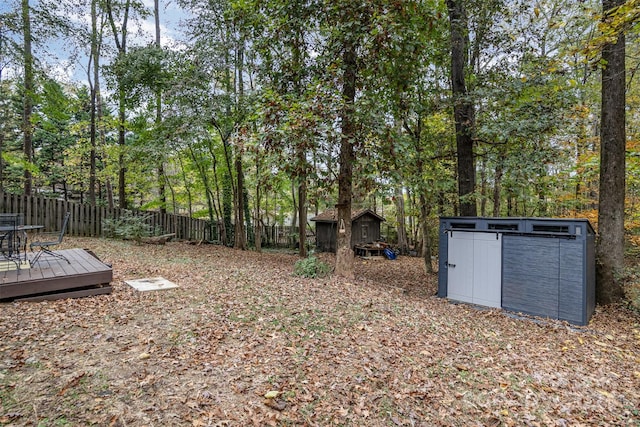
<point>242,342</point>
<point>72,383</point>
<point>277,404</point>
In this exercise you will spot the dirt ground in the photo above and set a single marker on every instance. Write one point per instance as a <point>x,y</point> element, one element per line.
<point>244,342</point>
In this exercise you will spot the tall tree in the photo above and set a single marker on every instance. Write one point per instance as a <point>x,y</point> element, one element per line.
<point>285,46</point>
<point>161,174</point>
<point>93,77</point>
<point>610,244</point>
<point>344,251</point>
<point>4,99</point>
<point>220,33</point>
<point>58,113</point>
<point>297,48</point>
<point>240,241</point>
<point>463,107</point>
<point>29,88</point>
<point>403,243</point>
<point>120,38</point>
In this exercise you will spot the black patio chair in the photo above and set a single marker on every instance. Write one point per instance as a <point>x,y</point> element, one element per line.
<point>10,238</point>
<point>48,240</point>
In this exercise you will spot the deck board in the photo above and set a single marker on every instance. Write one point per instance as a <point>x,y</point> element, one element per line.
<point>52,275</point>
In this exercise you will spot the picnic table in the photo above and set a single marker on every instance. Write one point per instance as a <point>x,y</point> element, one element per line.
<point>370,250</point>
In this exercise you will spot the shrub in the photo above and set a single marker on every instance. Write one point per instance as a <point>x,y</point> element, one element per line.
<point>633,295</point>
<point>311,267</point>
<point>127,227</point>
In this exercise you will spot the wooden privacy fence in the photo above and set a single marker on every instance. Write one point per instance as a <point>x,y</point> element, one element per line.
<point>87,220</point>
<point>283,236</point>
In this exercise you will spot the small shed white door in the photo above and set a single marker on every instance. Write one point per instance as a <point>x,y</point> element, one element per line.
<point>460,266</point>
<point>487,269</point>
<point>475,268</point>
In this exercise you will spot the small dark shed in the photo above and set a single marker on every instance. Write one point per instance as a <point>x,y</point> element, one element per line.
<point>539,266</point>
<point>365,228</point>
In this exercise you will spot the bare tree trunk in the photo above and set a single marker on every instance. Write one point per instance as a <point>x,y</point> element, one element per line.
<point>1,161</point>
<point>240,233</point>
<point>93,59</point>
<point>426,238</point>
<point>161,174</point>
<point>1,132</point>
<point>412,236</point>
<point>121,44</point>
<point>122,171</point>
<point>344,251</point>
<point>109,194</point>
<point>257,217</point>
<point>294,216</point>
<point>94,84</point>
<point>301,156</point>
<point>27,128</point>
<point>542,199</point>
<point>302,215</point>
<point>497,188</point>
<point>610,243</point>
<point>483,188</point>
<point>400,217</point>
<point>463,108</point>
<point>187,189</point>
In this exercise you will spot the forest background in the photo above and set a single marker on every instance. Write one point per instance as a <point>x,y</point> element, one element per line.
<point>263,112</point>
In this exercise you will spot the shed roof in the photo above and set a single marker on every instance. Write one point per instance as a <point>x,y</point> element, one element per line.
<point>331,215</point>
<point>520,219</point>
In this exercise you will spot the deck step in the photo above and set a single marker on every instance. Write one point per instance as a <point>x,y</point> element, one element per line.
<point>88,292</point>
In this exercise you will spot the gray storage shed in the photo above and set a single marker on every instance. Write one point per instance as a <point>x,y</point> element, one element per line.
<point>539,266</point>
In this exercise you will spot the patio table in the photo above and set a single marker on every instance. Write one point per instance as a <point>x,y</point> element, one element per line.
<point>14,243</point>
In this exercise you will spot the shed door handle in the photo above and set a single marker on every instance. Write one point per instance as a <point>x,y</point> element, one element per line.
<point>451,265</point>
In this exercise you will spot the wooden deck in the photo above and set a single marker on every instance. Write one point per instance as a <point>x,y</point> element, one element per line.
<point>53,278</point>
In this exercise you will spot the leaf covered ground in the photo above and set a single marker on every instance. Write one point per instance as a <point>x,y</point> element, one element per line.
<point>243,342</point>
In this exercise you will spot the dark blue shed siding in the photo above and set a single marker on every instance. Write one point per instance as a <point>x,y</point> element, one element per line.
<point>571,282</point>
<point>530,275</point>
<point>590,279</point>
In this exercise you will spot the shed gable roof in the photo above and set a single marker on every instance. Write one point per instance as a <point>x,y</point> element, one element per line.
<point>331,215</point>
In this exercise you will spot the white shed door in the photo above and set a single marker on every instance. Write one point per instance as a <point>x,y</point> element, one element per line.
<point>475,268</point>
<point>460,266</point>
<point>487,269</point>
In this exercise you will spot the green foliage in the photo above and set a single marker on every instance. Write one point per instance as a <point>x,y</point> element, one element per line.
<point>127,227</point>
<point>58,126</point>
<point>141,72</point>
<point>633,295</point>
<point>311,267</point>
